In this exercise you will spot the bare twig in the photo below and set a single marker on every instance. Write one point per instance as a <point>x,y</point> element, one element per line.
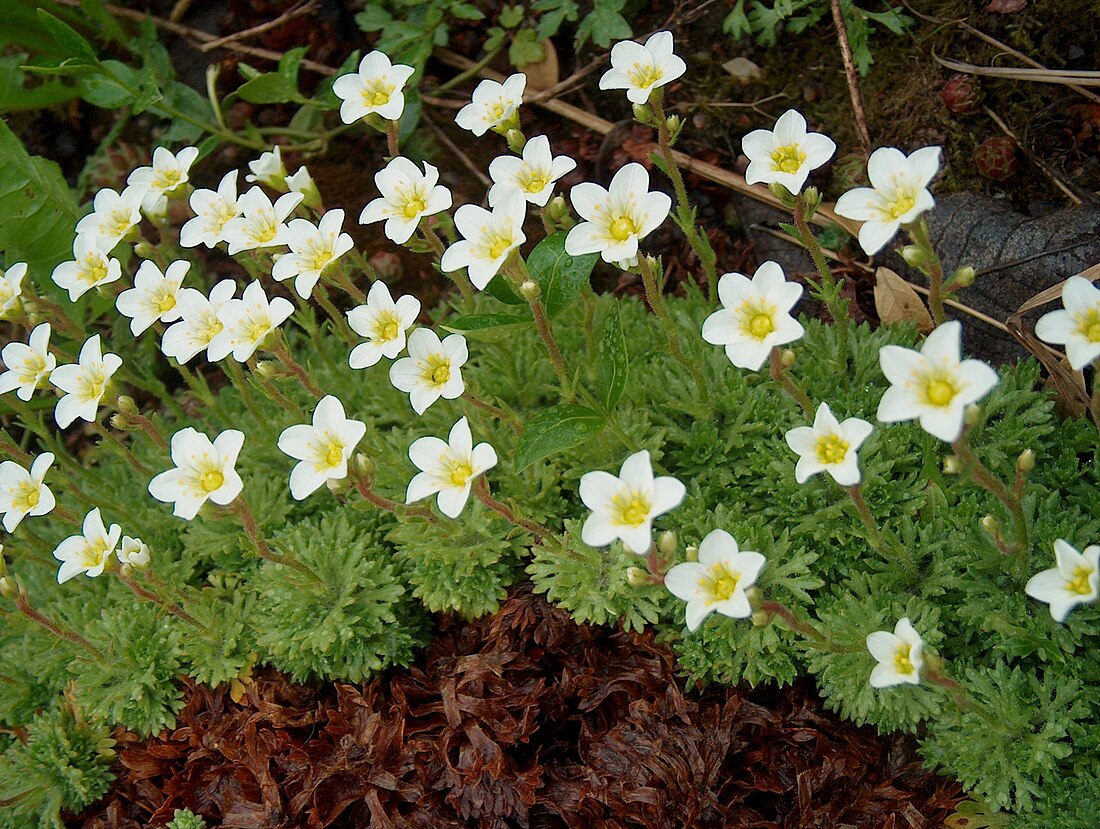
<point>297,10</point>
<point>851,76</point>
<point>465,159</point>
<point>1032,157</point>
<point>1065,77</point>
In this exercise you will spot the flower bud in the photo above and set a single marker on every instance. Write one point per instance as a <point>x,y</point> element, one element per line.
<point>972,415</point>
<point>674,123</point>
<point>755,596</point>
<point>667,543</point>
<point>1026,462</point>
<point>126,404</point>
<point>144,249</point>
<point>267,369</point>
<point>691,553</point>
<point>782,193</point>
<point>642,114</point>
<point>8,588</point>
<point>530,291</point>
<point>963,277</point>
<point>952,465</point>
<point>991,525</point>
<point>557,209</point>
<point>338,486</point>
<point>636,577</point>
<point>915,256</point>
<point>516,139</point>
<point>121,422</point>
<point>363,465</point>
<point>811,199</point>
<point>787,357</point>
<point>760,619</point>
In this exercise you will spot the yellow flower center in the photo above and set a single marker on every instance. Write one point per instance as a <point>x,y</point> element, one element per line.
<point>533,181</point>
<point>166,180</point>
<point>832,449</point>
<point>461,472</point>
<point>222,213</point>
<point>719,583</point>
<point>94,552</point>
<point>1089,325</point>
<point>632,512</point>
<point>212,480</point>
<point>335,453</point>
<point>211,329</point>
<point>30,496</point>
<point>1079,584</point>
<point>940,390</point>
<point>414,206</point>
<point>788,158</point>
<point>497,111</point>
<point>499,245</point>
<point>32,367</point>
<point>902,204</point>
<point>643,76</point>
<point>902,663</point>
<point>757,320</point>
<point>96,268</point>
<point>118,223</point>
<point>257,330</point>
<point>438,370</point>
<point>377,93</point>
<point>165,301</point>
<point>387,327</point>
<point>316,259</point>
<point>6,292</point>
<point>622,228</point>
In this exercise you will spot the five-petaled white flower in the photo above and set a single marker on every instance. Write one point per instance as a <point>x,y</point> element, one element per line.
<point>302,182</point>
<point>153,296</point>
<point>717,582</point>
<point>90,266</point>
<point>113,216</point>
<point>533,175</point>
<point>432,370</point>
<point>830,446</point>
<point>625,506</point>
<point>376,88</point>
<point>203,470</point>
<point>200,321</point>
<point>384,323</point>
<point>448,467</point>
<point>755,315</point>
<point>787,154</point>
<point>133,552</point>
<point>88,551</point>
<point>214,209</point>
<point>407,196</point>
<point>897,196</point>
<point>167,175</point>
<point>312,249</point>
<point>29,365</point>
<point>246,323</point>
<point>83,383</point>
<point>268,169</point>
<point>1074,581</point>
<point>11,286</point>
<point>260,224</point>
<point>618,218</point>
<point>23,493</point>
<point>898,655</point>
<point>493,106</point>
<point>639,69</point>
<point>487,238</point>
<point>933,385</point>
<point>1077,324</point>
<point>322,448</point>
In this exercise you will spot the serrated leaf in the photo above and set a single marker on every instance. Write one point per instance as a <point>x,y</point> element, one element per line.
<point>614,360</point>
<point>525,49</point>
<point>556,429</point>
<point>488,327</point>
<point>511,16</point>
<point>71,41</point>
<point>560,276</point>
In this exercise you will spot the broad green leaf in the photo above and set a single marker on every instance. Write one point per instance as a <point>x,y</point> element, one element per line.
<point>525,49</point>
<point>71,41</point>
<point>488,327</point>
<point>604,24</point>
<point>511,16</point>
<point>182,98</point>
<point>467,11</point>
<point>560,276</point>
<point>554,430</point>
<point>499,288</point>
<point>270,88</point>
<point>373,19</point>
<point>113,88</point>
<point>613,367</point>
<point>16,95</point>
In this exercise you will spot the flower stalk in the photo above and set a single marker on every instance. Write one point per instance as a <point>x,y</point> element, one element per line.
<point>481,492</point>
<point>828,288</point>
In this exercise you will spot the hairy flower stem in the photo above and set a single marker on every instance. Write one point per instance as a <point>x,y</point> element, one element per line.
<point>237,378</point>
<point>886,548</point>
<point>281,350</point>
<point>120,447</point>
<point>151,431</point>
<point>780,375</point>
<point>338,277</point>
<point>57,630</point>
<point>368,270</point>
<point>656,564</point>
<point>516,269</point>
<point>771,609</point>
<point>150,596</point>
<point>459,277</point>
<point>391,139</point>
<point>9,447</point>
<point>363,484</point>
<point>252,529</point>
<point>481,492</point>
<point>933,268</point>
<point>994,485</point>
<point>828,288</point>
<point>196,383</point>
<point>495,411</point>
<point>339,319</point>
<point>962,702</point>
<point>655,297</point>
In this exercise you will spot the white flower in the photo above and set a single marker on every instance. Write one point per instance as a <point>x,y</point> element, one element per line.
<point>432,370</point>
<point>323,449</point>
<point>898,655</point>
<point>28,365</point>
<point>203,470</point>
<point>90,267</point>
<point>376,88</point>
<point>247,322</point>
<point>932,385</point>
<point>11,286</point>
<point>83,383</point>
<point>1077,324</point>
<point>829,446</point>
<point>487,238</point>
<point>260,223</point>
<point>897,196</point>
<point>200,321</point>
<point>312,249</point>
<point>616,219</point>
<point>268,169</point>
<point>625,506</point>
<point>133,552</point>
<point>383,322</point>
<point>717,582</point>
<point>407,196</point>
<point>1074,581</point>
<point>153,296</point>
<point>755,315</point>
<point>533,175</point>
<point>168,173</point>
<point>493,105</point>
<point>113,216</point>
<point>302,182</point>
<point>213,210</point>
<point>787,154</point>
<point>640,69</point>
<point>23,493</point>
<point>448,467</point>
<point>89,551</point>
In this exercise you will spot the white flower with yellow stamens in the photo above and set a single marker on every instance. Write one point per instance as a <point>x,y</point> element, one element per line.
<point>322,448</point>
<point>1077,324</point>
<point>375,88</point>
<point>639,69</point>
<point>214,209</point>
<point>487,238</point>
<point>312,249</point>
<point>84,383</point>
<point>200,321</point>
<point>153,296</point>
<point>829,446</point>
<point>755,315</point>
<point>932,385</point>
<point>384,323</point>
<point>408,195</point>
<point>787,154</point>
<point>203,471</point>
<point>1074,581</point>
<point>113,215</point>
<point>493,106</point>
<point>89,551</point>
<point>247,322</point>
<point>898,655</point>
<point>432,370</point>
<point>624,507</point>
<point>898,194</point>
<point>23,492</point>
<point>448,468</point>
<point>133,552</point>
<point>617,219</point>
<point>28,365</point>
<point>533,175</point>
<point>167,174</point>
<point>717,582</point>
<point>260,224</point>
<point>90,266</point>
<point>11,287</point>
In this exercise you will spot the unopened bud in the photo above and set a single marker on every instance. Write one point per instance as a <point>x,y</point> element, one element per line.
<point>530,290</point>
<point>144,250</point>
<point>364,466</point>
<point>964,277</point>
<point>636,577</point>
<point>516,140</point>
<point>952,465</point>
<point>915,255</point>
<point>755,595</point>
<point>761,618</point>
<point>691,553</point>
<point>786,357</point>
<point>8,588</point>
<point>1026,462</point>
<point>674,123</point>
<point>667,543</point>
<point>782,193</point>
<point>991,525</point>
<point>642,114</point>
<point>126,404</point>
<point>121,422</point>
<point>267,369</point>
<point>972,414</point>
<point>557,209</point>
<point>811,199</point>
<point>338,486</point>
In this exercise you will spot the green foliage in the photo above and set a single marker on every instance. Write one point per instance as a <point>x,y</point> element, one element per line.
<point>185,819</point>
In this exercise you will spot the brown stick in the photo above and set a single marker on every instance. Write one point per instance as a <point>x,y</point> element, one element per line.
<point>851,76</point>
<point>297,10</point>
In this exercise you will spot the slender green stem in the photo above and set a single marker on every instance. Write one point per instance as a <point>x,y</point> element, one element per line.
<point>481,492</point>
<point>918,232</point>
<point>282,351</point>
<point>54,628</point>
<point>656,301</point>
<point>120,447</point>
<point>467,73</point>
<point>495,411</point>
<point>338,319</point>
<point>237,378</point>
<point>252,530</point>
<point>994,485</point>
<point>772,608</point>
<point>363,487</point>
<point>338,278</point>
<point>782,376</point>
<point>459,277</point>
<point>391,138</point>
<point>516,269</point>
<point>829,289</point>
<point>170,607</point>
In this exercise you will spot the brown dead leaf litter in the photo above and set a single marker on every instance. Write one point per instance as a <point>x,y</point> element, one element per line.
<point>521,719</point>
